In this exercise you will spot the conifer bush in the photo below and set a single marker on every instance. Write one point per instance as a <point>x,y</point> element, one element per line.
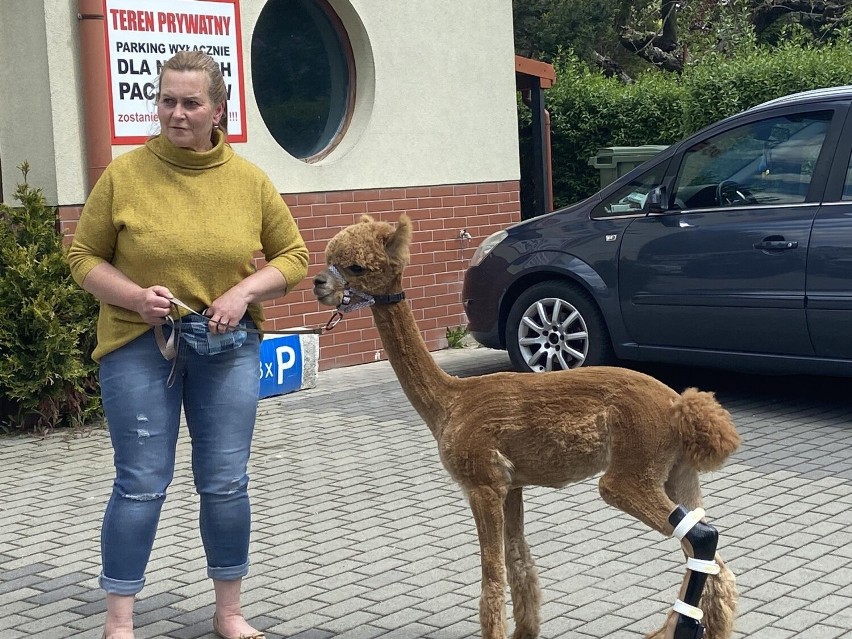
<point>47,323</point>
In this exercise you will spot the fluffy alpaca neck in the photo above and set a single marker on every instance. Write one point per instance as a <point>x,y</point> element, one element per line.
<point>429,389</point>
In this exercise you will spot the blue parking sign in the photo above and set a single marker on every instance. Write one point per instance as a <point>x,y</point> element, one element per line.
<point>280,365</point>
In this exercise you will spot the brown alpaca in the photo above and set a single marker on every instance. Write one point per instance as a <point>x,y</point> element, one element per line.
<point>498,433</point>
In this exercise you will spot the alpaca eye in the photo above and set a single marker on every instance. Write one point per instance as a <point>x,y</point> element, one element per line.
<point>356,269</point>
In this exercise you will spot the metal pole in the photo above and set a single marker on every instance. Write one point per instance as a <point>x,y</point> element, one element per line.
<point>95,90</point>
<point>540,168</point>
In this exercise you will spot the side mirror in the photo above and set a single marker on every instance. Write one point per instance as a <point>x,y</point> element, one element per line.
<point>657,199</point>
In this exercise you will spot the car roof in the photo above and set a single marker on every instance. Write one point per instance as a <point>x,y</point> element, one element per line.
<point>814,95</point>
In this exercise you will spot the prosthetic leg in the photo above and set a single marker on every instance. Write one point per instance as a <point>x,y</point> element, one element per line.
<point>703,539</point>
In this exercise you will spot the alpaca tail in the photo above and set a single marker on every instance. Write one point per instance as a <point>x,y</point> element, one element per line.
<point>707,432</point>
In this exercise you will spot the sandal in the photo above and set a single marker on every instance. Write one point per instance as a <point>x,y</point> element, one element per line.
<point>218,633</point>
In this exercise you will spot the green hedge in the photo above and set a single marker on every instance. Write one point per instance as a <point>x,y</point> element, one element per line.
<point>589,111</point>
<point>719,88</point>
<point>47,323</point>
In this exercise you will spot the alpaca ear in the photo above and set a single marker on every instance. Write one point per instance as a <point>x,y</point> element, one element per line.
<point>397,242</point>
<point>366,219</point>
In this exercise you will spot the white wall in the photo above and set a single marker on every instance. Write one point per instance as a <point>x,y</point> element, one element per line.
<point>435,98</point>
<point>26,132</point>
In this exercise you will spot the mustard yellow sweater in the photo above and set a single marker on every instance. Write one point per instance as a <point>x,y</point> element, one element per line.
<point>191,222</point>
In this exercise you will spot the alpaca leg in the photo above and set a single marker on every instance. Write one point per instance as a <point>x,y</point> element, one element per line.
<point>650,504</point>
<point>520,569</point>
<point>719,599</point>
<point>706,603</point>
<point>487,506</point>
<point>699,540</point>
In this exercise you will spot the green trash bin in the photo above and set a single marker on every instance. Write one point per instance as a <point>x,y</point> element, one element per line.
<point>615,161</point>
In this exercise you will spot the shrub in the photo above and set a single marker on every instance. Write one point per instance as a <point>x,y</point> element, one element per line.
<point>590,111</point>
<point>720,87</point>
<point>47,326</point>
<point>455,336</point>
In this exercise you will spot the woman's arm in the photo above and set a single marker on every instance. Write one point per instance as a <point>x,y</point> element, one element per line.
<point>283,245</point>
<point>112,286</point>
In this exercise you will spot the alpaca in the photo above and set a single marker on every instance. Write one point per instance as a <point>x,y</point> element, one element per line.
<point>501,432</point>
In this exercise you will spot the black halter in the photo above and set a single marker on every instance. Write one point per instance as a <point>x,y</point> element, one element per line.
<point>354,299</point>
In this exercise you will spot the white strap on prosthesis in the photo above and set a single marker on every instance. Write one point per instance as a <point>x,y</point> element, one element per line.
<point>688,522</point>
<point>708,567</point>
<point>702,565</point>
<point>688,611</point>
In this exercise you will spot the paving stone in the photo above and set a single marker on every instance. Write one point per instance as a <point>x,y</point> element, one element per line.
<point>358,532</point>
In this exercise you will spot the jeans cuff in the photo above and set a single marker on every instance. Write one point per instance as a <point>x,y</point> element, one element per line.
<point>120,587</point>
<point>229,573</point>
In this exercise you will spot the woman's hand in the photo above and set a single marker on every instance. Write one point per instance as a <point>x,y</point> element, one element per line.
<point>228,309</point>
<point>153,304</point>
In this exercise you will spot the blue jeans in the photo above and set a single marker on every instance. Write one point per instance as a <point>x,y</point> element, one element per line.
<point>219,398</point>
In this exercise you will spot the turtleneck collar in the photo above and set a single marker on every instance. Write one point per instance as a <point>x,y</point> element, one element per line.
<point>163,148</point>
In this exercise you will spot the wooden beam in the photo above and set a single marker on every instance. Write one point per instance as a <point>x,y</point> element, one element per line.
<point>542,70</point>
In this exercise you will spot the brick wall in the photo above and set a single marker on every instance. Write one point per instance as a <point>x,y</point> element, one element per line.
<point>433,280</point>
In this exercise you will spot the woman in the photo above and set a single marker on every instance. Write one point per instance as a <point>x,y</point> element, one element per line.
<point>181,218</point>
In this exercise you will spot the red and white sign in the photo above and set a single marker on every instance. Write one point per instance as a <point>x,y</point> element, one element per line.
<point>142,34</point>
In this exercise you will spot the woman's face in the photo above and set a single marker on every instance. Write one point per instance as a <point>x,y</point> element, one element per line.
<point>186,114</point>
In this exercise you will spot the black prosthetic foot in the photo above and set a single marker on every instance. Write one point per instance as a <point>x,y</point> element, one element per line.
<point>704,539</point>
<point>688,628</point>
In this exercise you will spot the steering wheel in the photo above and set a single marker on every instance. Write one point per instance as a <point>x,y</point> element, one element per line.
<point>731,193</point>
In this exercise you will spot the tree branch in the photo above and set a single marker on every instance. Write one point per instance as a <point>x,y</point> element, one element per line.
<point>668,40</point>
<point>660,49</point>
<point>644,45</point>
<point>822,12</point>
<point>611,68</point>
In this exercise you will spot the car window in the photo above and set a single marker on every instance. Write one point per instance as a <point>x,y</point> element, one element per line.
<point>847,187</point>
<point>630,199</point>
<point>764,162</point>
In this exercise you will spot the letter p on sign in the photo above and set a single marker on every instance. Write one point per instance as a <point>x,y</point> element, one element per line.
<point>286,357</point>
<point>280,365</point>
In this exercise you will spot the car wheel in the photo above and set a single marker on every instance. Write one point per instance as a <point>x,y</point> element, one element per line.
<point>556,326</point>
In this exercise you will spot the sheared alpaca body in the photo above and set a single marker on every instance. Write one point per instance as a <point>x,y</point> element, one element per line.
<point>498,433</point>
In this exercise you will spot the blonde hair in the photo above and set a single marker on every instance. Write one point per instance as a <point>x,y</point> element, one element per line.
<point>217,92</point>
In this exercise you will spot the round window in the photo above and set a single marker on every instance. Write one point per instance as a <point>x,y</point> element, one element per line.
<point>303,73</point>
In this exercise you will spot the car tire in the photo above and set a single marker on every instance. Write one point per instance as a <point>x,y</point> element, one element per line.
<point>555,325</point>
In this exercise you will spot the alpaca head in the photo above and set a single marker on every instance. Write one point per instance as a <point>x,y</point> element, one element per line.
<point>370,256</point>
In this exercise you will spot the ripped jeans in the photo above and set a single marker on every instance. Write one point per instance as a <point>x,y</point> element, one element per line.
<point>219,398</point>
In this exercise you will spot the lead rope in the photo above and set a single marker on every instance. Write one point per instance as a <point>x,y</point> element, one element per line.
<point>169,350</point>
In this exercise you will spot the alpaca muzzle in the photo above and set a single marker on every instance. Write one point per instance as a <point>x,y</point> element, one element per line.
<point>352,299</point>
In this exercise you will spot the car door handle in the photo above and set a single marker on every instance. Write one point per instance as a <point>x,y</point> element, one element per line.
<point>775,245</point>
